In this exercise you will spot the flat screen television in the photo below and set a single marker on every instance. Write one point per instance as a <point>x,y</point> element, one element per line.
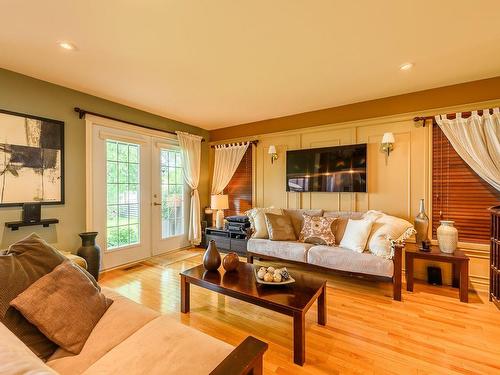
<point>331,169</point>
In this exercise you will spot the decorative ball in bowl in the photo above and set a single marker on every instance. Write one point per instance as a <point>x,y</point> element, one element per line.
<point>273,275</point>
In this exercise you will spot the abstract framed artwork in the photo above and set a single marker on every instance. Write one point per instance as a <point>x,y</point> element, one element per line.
<point>31,159</point>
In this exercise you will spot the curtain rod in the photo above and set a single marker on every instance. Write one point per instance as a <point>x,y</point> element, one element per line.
<point>254,142</point>
<point>449,116</point>
<point>83,112</point>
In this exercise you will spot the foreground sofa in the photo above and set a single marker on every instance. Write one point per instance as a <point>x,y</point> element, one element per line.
<point>133,339</point>
<point>331,258</point>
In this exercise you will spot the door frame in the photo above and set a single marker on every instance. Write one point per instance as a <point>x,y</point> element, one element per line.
<point>90,122</point>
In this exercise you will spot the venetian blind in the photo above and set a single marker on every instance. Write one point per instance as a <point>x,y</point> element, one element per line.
<point>459,194</point>
<point>239,189</point>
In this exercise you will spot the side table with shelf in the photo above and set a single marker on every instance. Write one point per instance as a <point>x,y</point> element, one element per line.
<point>458,260</point>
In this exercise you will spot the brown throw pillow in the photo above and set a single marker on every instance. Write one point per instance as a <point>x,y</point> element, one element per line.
<point>318,230</point>
<point>64,305</point>
<point>280,227</point>
<point>20,266</point>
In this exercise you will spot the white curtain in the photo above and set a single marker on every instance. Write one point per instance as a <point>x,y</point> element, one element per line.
<point>191,159</point>
<point>227,159</point>
<point>477,140</point>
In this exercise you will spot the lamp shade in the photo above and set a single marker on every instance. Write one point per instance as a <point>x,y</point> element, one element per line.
<point>272,149</point>
<point>388,138</point>
<point>219,202</point>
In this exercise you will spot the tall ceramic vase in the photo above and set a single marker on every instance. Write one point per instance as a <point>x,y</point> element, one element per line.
<point>447,236</point>
<point>421,224</point>
<point>90,252</point>
<point>211,258</point>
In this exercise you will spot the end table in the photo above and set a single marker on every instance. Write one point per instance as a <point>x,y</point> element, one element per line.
<point>458,259</point>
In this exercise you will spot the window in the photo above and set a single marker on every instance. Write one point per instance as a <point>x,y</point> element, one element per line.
<point>123,194</point>
<point>172,193</point>
<point>459,194</point>
<point>240,187</point>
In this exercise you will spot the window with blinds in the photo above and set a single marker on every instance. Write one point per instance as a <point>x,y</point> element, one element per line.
<point>239,189</point>
<point>459,194</point>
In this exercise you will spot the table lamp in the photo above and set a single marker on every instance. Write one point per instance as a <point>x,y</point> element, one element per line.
<point>220,203</point>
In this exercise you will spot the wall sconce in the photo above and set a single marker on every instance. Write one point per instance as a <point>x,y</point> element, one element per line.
<point>387,145</point>
<point>272,151</point>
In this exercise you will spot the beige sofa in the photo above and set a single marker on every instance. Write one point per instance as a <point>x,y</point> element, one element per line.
<point>133,339</point>
<point>332,258</point>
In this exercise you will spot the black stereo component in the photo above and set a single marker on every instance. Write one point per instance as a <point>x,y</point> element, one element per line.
<point>31,212</point>
<point>434,276</point>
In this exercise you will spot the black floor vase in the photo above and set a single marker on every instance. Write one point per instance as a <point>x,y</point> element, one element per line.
<point>90,252</point>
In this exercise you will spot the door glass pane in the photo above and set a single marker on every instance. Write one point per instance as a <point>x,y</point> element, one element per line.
<point>123,194</point>
<point>172,197</point>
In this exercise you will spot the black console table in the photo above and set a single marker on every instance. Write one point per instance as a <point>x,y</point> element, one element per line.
<point>228,241</point>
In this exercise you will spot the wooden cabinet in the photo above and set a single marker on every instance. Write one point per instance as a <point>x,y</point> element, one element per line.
<point>495,256</point>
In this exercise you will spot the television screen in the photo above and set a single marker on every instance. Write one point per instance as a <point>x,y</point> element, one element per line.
<point>332,169</point>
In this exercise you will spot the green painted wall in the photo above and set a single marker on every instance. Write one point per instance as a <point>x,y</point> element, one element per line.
<point>23,94</point>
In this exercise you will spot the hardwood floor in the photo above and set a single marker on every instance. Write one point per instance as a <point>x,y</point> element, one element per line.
<point>430,332</point>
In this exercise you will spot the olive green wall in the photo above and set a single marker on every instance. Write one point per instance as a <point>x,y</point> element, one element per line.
<point>24,94</point>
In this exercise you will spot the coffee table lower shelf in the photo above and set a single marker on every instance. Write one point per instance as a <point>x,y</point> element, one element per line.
<point>294,301</point>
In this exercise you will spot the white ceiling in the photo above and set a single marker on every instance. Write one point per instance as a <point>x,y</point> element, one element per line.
<point>225,62</point>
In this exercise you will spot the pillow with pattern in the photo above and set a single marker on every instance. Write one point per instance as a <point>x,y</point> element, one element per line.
<point>318,230</point>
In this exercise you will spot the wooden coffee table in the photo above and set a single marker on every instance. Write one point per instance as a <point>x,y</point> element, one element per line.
<point>293,299</point>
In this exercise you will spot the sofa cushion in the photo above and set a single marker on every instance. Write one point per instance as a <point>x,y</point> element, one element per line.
<point>298,219</point>
<point>65,291</point>
<point>122,319</point>
<point>356,235</point>
<point>16,358</point>
<point>291,250</point>
<point>341,222</point>
<point>163,346</point>
<point>338,258</point>
<point>258,220</point>
<point>385,228</point>
<point>24,263</point>
<point>280,227</point>
<point>318,230</point>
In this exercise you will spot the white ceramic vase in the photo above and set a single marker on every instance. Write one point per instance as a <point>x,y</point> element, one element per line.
<point>447,236</point>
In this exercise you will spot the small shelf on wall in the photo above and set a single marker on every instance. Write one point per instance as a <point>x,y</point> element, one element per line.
<point>15,225</point>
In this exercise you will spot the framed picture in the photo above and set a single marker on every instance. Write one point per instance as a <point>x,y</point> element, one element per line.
<point>31,159</point>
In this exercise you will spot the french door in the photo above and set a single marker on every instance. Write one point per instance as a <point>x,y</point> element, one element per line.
<point>170,209</point>
<point>137,193</point>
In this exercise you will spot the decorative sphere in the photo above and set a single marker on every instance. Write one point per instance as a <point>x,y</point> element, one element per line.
<point>268,277</point>
<point>277,278</point>
<point>270,269</point>
<point>261,273</point>
<point>231,262</point>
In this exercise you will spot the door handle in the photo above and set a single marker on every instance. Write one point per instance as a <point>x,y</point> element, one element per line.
<point>156,204</point>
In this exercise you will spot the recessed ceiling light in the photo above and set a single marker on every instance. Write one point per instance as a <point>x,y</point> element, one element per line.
<point>406,66</point>
<point>67,46</point>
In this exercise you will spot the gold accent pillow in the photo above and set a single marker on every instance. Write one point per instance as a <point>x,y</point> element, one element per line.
<point>318,230</point>
<point>258,220</point>
<point>64,305</point>
<point>280,227</point>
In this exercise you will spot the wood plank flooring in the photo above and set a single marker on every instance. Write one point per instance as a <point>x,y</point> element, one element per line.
<point>430,332</point>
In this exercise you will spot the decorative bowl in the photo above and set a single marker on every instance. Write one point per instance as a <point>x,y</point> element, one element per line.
<point>290,279</point>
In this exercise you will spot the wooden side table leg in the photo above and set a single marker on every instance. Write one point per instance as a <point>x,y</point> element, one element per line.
<point>322,312</point>
<point>409,272</point>
<point>185,297</point>
<point>299,338</point>
<point>456,269</point>
<point>464,281</point>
